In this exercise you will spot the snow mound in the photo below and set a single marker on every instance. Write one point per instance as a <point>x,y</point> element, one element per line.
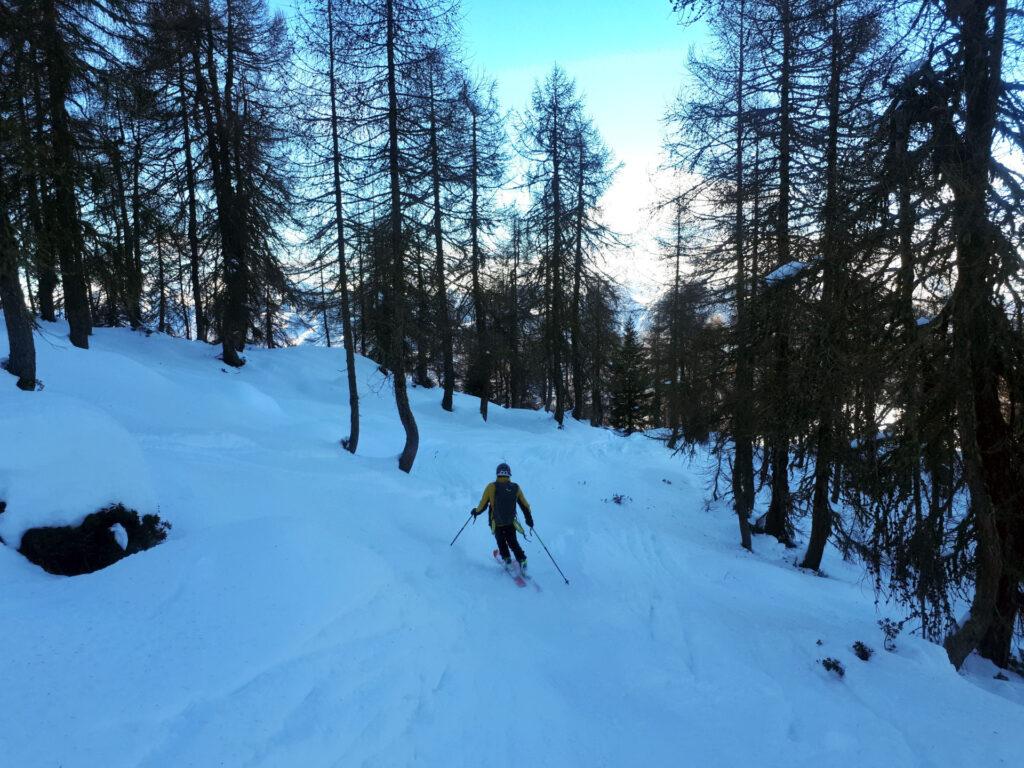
<point>61,459</point>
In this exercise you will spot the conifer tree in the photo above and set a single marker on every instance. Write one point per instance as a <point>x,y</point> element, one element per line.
<point>631,384</point>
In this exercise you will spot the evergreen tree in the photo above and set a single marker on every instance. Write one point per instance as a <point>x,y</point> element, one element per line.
<point>631,384</point>
<point>485,162</point>
<point>21,361</point>
<point>569,169</point>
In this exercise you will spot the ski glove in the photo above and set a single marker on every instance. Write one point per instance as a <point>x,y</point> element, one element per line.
<point>529,519</point>
<point>474,512</point>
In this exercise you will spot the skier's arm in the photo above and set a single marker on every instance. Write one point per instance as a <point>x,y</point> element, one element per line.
<point>525,506</point>
<point>485,500</point>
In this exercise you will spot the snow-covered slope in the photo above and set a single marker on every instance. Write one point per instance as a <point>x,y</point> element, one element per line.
<point>307,610</point>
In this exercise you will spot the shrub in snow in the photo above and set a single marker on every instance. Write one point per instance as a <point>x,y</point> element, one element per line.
<point>861,651</point>
<point>619,498</point>
<point>891,629</point>
<point>73,550</point>
<point>833,665</point>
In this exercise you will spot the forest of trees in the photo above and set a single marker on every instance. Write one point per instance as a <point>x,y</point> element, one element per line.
<point>849,331</point>
<point>210,170</point>
<point>841,320</point>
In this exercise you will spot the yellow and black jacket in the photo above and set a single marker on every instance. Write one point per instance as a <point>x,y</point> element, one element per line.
<point>502,496</point>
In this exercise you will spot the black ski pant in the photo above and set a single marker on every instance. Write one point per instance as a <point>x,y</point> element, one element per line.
<point>506,537</point>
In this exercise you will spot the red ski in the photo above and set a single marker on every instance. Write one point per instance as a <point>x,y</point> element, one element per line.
<point>512,569</point>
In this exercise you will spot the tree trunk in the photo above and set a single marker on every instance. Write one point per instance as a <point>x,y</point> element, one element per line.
<point>743,462</point>
<point>162,285</point>
<point>124,278</point>
<point>193,226</point>
<point>362,302</point>
<point>412,436</point>
<point>21,362</point>
<point>577,277</point>
<point>597,358</point>
<point>66,227</point>
<point>992,464</point>
<point>135,233</point>
<point>777,520</point>
<point>911,394</point>
<point>483,353</point>
<point>31,297</point>
<point>268,330</point>
<point>440,282</point>
<point>556,267</point>
<point>234,320</point>
<point>832,300</point>
<point>421,377</point>
<point>217,148</point>
<point>515,364</point>
<point>44,264</point>
<point>181,295</point>
<point>352,441</point>
<point>673,406</point>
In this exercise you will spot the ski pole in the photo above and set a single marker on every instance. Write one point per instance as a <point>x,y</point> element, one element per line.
<point>462,528</point>
<point>549,553</point>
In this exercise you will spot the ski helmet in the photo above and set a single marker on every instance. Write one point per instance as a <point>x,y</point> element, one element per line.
<point>504,470</point>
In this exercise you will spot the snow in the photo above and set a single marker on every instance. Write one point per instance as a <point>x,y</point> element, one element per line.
<point>120,535</point>
<point>785,272</point>
<point>63,458</point>
<point>307,610</point>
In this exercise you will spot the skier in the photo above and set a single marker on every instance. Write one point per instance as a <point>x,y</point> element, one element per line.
<point>501,497</point>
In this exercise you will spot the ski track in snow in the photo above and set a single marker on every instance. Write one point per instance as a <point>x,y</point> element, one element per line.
<point>308,611</point>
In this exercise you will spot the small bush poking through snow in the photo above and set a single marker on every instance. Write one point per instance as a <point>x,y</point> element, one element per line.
<point>833,665</point>
<point>619,498</point>
<point>92,545</point>
<point>891,629</point>
<point>861,651</point>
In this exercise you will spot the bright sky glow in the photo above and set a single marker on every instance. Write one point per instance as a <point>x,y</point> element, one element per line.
<point>628,61</point>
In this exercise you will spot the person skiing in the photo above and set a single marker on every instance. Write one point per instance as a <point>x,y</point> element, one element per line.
<point>501,498</point>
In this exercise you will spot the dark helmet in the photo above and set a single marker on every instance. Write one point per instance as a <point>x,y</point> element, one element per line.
<point>504,470</point>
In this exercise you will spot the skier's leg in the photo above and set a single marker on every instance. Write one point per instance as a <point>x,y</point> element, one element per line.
<point>499,535</point>
<point>514,544</point>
